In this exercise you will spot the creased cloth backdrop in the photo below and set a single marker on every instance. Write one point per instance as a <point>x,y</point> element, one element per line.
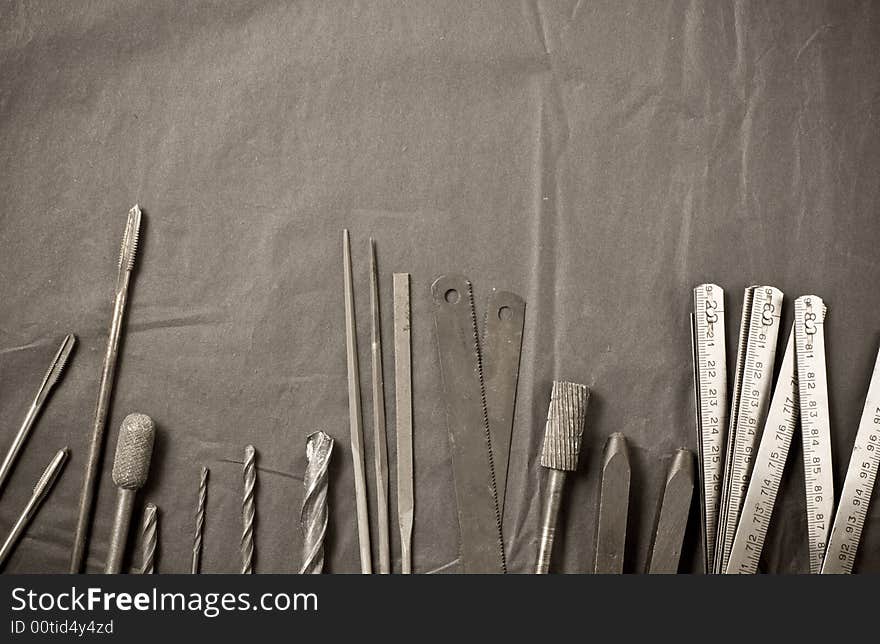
<point>599,158</point>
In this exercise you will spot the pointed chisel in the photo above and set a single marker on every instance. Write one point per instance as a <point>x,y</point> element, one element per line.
<point>675,508</point>
<point>613,507</point>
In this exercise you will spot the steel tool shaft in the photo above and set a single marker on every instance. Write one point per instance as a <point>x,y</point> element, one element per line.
<point>49,381</point>
<point>354,411</point>
<point>248,510</point>
<point>675,508</point>
<point>403,418</point>
<point>613,507</point>
<point>559,454</point>
<point>126,265</point>
<point>41,491</point>
<point>200,523</point>
<point>149,539</point>
<point>134,450</point>
<point>380,440</point>
<point>313,519</point>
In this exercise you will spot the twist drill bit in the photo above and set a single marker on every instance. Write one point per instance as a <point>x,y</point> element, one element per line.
<point>380,439</point>
<point>354,411</point>
<point>562,446</point>
<point>313,518</point>
<point>200,522</point>
<point>613,507</point>
<point>248,511</point>
<point>149,538</point>
<point>41,491</point>
<point>87,497</point>
<point>675,508</point>
<point>49,381</point>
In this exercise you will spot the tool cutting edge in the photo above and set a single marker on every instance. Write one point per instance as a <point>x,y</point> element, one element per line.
<point>673,516</point>
<point>613,507</point>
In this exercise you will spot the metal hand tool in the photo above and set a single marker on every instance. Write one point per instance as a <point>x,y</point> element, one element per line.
<point>403,418</point>
<point>855,499</point>
<point>354,411</point>
<point>559,454</point>
<point>49,381</point>
<point>248,510</point>
<point>149,539</point>
<point>710,390</point>
<point>675,508</point>
<point>479,518</point>
<point>613,507</point>
<point>313,518</point>
<point>762,306</point>
<point>809,338</point>
<point>502,343</point>
<point>41,491</point>
<point>134,450</point>
<point>380,439</point>
<point>769,465</point>
<point>126,266</point>
<point>200,523</point>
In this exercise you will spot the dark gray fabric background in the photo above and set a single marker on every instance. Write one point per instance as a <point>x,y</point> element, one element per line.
<point>599,158</point>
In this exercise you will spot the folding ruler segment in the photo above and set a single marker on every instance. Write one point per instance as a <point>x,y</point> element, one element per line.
<point>770,460</point>
<point>710,391</point>
<point>858,485</point>
<point>809,336</point>
<point>752,397</point>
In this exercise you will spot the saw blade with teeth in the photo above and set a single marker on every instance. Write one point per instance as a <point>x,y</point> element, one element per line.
<point>481,546</point>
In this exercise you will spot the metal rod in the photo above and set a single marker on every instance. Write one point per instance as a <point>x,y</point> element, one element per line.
<point>354,411</point>
<point>108,369</point>
<point>200,523</point>
<point>49,381</point>
<point>248,510</point>
<point>41,491</point>
<point>313,519</point>
<point>403,417</point>
<point>380,438</point>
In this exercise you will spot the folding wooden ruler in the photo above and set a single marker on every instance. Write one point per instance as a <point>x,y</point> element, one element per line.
<point>767,471</point>
<point>858,485</point>
<point>710,392</point>
<point>756,355</point>
<point>809,338</point>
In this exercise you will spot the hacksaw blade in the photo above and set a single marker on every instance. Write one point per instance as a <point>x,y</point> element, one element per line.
<point>479,518</point>
<point>502,344</point>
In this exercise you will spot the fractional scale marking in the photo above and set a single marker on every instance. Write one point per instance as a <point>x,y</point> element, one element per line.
<point>809,336</point>
<point>710,391</point>
<point>762,306</point>
<point>858,485</point>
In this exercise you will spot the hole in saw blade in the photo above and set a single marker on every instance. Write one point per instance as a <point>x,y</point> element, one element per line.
<point>505,313</point>
<point>452,296</point>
